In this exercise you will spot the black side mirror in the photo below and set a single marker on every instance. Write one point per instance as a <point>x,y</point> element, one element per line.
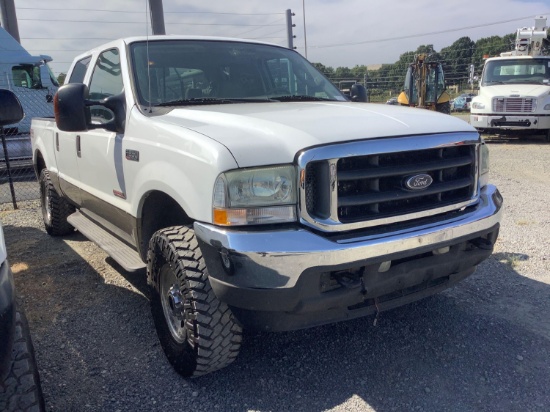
<point>358,93</point>
<point>69,105</point>
<point>10,108</point>
<point>72,109</point>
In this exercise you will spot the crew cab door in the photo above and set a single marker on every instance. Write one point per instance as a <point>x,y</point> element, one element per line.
<point>100,157</point>
<point>67,145</point>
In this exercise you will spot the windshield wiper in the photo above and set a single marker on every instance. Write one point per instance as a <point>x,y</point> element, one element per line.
<point>300,98</point>
<point>210,100</point>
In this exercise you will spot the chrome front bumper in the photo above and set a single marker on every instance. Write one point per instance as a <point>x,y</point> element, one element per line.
<point>269,259</point>
<point>293,278</point>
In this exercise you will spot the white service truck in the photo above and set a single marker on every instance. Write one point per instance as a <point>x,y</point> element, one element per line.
<point>254,193</point>
<point>514,91</point>
<point>29,77</point>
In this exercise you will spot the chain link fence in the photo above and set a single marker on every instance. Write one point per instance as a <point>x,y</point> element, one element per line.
<point>17,179</point>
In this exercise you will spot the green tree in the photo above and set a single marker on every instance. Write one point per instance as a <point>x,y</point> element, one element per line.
<point>61,78</point>
<point>458,57</point>
<point>343,73</point>
<point>326,70</point>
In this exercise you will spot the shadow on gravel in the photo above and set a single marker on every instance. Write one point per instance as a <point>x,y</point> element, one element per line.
<point>85,331</point>
<point>483,345</point>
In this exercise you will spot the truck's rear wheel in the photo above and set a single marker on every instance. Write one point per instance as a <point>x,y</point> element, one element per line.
<point>197,332</point>
<point>444,108</point>
<point>55,209</point>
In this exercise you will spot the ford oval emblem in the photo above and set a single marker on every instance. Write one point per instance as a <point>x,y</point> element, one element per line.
<point>418,182</point>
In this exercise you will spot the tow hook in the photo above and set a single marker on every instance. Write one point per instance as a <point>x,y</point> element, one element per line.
<point>348,280</point>
<point>175,300</point>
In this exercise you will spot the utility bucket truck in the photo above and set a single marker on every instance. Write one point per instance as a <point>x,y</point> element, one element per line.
<point>29,77</point>
<point>34,84</point>
<point>514,93</point>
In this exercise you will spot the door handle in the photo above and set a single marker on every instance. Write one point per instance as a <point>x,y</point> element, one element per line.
<point>78,153</point>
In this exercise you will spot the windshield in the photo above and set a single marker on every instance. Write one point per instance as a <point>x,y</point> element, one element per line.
<point>180,72</point>
<point>529,71</point>
<point>53,79</point>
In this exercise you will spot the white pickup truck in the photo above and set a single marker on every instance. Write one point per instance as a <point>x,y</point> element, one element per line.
<point>255,194</point>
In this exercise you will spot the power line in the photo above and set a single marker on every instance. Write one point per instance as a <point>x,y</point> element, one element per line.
<point>423,34</point>
<point>140,22</point>
<point>66,38</point>
<point>141,12</point>
<point>248,31</point>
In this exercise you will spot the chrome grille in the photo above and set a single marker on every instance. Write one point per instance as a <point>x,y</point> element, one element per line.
<point>513,104</point>
<point>365,190</point>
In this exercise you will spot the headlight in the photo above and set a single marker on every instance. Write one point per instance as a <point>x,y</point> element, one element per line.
<point>483,165</point>
<point>547,106</point>
<point>478,105</point>
<point>255,196</point>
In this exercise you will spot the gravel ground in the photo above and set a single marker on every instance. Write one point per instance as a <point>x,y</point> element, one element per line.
<point>481,346</point>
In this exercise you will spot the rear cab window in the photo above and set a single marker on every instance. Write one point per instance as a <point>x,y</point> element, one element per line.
<point>79,70</point>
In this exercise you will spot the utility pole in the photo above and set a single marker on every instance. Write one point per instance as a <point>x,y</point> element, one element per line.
<point>289,27</point>
<point>157,17</point>
<point>305,37</point>
<point>9,18</point>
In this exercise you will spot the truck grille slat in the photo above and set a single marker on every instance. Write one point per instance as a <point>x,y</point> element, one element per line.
<point>402,170</point>
<point>396,195</point>
<point>362,188</point>
<point>513,104</point>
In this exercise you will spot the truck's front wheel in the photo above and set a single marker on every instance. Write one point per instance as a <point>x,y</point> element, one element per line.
<point>55,209</point>
<point>197,332</point>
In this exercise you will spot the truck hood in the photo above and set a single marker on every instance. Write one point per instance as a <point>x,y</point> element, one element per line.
<point>518,90</point>
<point>272,133</point>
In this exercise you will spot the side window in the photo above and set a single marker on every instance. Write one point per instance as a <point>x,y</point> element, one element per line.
<point>106,81</point>
<point>26,75</point>
<point>79,70</point>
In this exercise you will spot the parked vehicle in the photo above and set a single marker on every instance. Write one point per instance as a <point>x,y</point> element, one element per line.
<point>19,381</point>
<point>255,194</point>
<point>32,81</point>
<point>392,100</point>
<point>514,93</point>
<point>461,104</point>
<point>29,77</point>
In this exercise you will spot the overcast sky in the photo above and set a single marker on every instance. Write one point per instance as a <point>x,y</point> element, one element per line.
<point>338,32</point>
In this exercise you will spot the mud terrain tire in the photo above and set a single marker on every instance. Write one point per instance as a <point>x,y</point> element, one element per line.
<point>21,390</point>
<point>197,332</point>
<point>444,108</point>
<point>55,209</point>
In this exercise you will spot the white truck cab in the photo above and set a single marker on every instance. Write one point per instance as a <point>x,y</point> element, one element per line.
<point>29,77</point>
<point>514,93</point>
